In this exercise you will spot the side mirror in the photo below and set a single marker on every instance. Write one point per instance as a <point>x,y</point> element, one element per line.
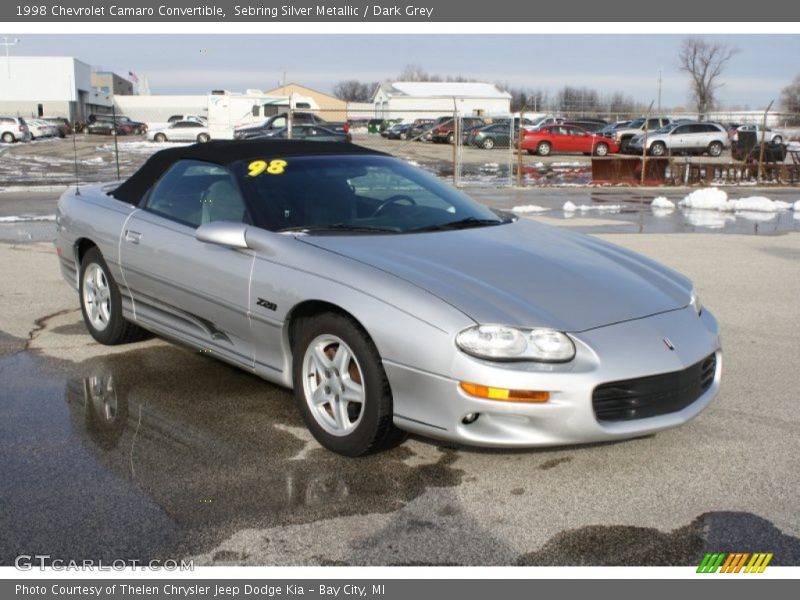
<point>223,233</point>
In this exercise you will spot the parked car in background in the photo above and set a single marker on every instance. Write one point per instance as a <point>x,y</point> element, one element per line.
<point>445,132</point>
<point>62,124</point>
<point>108,127</point>
<point>198,118</point>
<point>771,137</point>
<point>13,129</point>
<point>313,133</point>
<point>421,127</point>
<point>593,125</point>
<point>125,125</point>
<point>491,136</point>
<point>181,131</point>
<point>624,134</point>
<point>401,131</point>
<point>540,122</point>
<point>682,138</point>
<point>566,138</point>
<point>392,128</point>
<point>280,121</point>
<point>40,128</point>
<point>608,130</point>
<point>137,127</point>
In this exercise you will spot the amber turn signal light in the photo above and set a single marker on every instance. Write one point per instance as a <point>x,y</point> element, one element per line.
<point>493,393</point>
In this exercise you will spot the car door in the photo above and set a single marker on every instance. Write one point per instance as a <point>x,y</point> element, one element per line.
<point>196,291</point>
<point>579,139</point>
<point>680,139</point>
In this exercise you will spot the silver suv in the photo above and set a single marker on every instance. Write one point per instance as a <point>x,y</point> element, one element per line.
<point>683,137</point>
<point>14,129</point>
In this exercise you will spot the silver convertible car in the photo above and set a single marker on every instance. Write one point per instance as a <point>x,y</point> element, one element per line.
<point>389,301</point>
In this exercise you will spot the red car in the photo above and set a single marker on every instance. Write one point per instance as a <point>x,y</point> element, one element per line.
<point>566,138</point>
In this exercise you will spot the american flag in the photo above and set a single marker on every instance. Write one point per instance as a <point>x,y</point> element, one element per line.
<point>133,76</point>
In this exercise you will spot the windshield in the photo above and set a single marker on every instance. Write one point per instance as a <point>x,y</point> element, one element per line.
<point>354,194</point>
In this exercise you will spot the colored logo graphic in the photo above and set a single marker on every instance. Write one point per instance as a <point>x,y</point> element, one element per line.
<point>735,562</point>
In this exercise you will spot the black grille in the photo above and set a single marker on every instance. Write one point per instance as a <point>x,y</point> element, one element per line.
<point>655,395</point>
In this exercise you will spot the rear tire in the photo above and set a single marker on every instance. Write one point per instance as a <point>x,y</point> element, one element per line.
<point>101,303</point>
<point>714,149</point>
<point>202,138</point>
<point>777,140</point>
<point>8,138</point>
<point>451,138</point>
<point>340,387</point>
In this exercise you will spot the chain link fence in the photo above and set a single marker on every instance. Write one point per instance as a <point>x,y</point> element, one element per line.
<point>467,150</point>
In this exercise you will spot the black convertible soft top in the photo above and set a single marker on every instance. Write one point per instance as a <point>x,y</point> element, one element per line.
<point>225,152</point>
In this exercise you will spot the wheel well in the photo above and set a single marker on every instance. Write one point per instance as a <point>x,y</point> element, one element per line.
<point>311,308</point>
<point>82,246</point>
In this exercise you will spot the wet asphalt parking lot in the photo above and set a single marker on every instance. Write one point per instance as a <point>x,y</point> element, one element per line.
<point>155,451</point>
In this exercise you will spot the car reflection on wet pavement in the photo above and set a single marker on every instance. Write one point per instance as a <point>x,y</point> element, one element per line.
<point>150,473</point>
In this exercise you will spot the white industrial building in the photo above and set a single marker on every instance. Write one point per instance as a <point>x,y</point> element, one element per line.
<point>32,86</point>
<point>409,100</point>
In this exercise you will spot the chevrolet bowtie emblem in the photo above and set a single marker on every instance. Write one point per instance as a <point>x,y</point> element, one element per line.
<point>668,344</point>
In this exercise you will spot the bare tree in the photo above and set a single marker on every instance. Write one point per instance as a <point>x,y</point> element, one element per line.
<point>353,90</point>
<point>704,62</point>
<point>790,99</point>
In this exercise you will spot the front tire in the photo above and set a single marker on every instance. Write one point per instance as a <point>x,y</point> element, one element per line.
<point>658,149</point>
<point>101,303</point>
<point>451,138</point>
<point>601,149</point>
<point>160,137</point>
<point>777,140</point>
<point>488,144</point>
<point>202,138</point>
<point>340,386</point>
<point>544,149</point>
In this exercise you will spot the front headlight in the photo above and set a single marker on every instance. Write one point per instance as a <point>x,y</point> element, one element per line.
<point>695,303</point>
<point>499,342</point>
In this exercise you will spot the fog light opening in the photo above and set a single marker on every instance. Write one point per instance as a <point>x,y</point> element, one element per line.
<point>470,418</point>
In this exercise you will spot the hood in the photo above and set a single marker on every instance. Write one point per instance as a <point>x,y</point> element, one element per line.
<point>523,273</point>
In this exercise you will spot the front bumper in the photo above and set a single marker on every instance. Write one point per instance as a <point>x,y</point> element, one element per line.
<point>435,406</point>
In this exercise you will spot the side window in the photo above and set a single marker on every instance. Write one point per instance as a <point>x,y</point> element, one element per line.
<point>193,193</point>
<point>683,129</point>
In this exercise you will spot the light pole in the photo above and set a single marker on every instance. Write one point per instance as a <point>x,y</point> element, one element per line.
<point>8,43</point>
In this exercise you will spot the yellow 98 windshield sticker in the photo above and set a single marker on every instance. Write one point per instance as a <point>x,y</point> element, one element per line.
<point>273,167</point>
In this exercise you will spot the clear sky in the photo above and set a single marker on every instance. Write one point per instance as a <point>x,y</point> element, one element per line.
<point>184,63</point>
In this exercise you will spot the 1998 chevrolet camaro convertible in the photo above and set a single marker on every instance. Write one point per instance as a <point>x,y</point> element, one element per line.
<point>389,301</point>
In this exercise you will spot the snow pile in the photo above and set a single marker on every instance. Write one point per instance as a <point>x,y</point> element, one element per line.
<point>570,207</point>
<point>529,208</point>
<point>663,203</point>
<point>796,207</point>
<point>759,204</point>
<point>706,199</point>
<point>715,199</point>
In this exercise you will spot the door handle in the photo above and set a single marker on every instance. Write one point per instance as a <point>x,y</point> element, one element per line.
<point>132,236</point>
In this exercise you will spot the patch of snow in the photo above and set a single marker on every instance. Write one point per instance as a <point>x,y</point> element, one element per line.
<point>529,208</point>
<point>662,203</point>
<point>716,199</point>
<point>33,188</point>
<point>759,204</point>
<point>97,160</point>
<point>796,207</point>
<point>27,218</point>
<point>570,207</point>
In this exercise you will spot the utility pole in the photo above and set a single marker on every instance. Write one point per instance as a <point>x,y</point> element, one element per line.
<point>659,92</point>
<point>7,42</point>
